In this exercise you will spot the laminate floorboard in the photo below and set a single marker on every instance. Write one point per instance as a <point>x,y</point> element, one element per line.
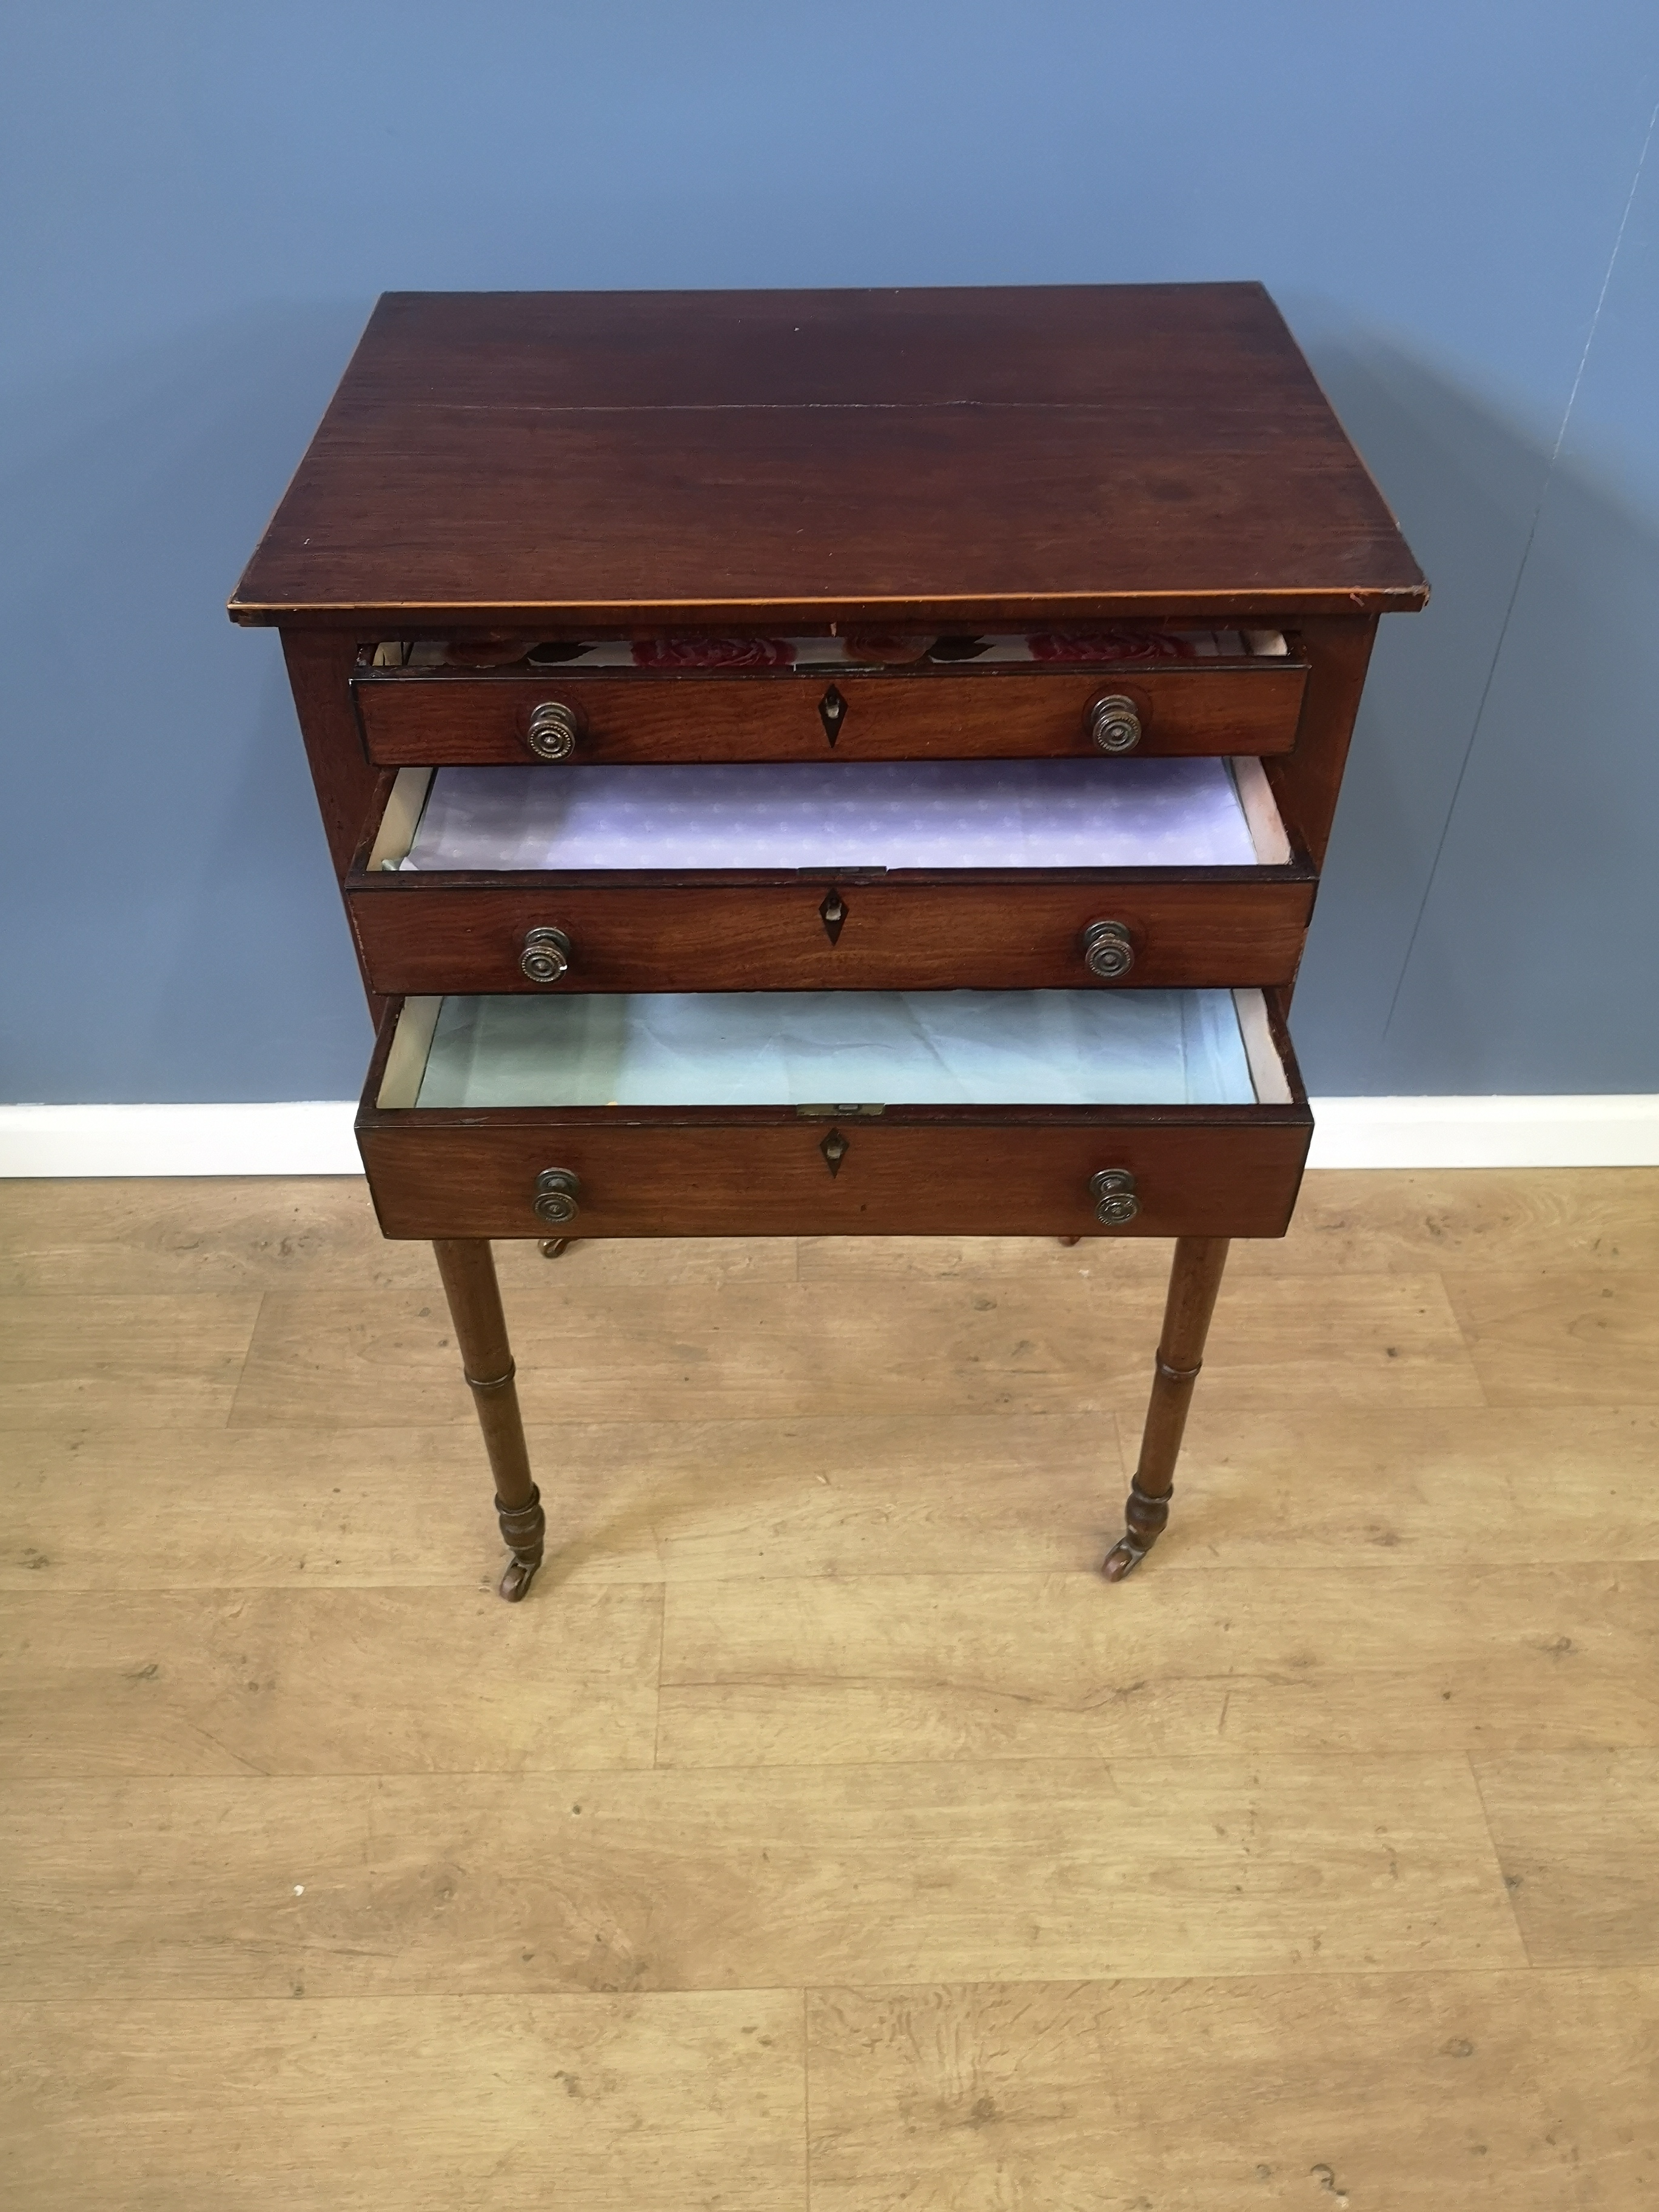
<point>628,1501</point>
<point>910,1666</point>
<point>613,2104</point>
<point>1538,1338</point>
<point>327,1682</point>
<point>337,1356</point>
<point>1409,2093</point>
<point>914,1868</point>
<point>745,1878</point>
<point>1346,1221</point>
<point>146,1360</point>
<point>1406,1486</point>
<point>1578,1836</point>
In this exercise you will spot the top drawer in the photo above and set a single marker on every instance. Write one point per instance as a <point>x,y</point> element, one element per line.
<point>1006,704</point>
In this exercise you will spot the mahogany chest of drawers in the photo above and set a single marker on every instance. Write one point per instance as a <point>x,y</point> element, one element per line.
<point>830,762</point>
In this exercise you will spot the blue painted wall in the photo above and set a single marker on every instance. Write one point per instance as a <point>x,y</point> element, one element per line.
<point>199,204</point>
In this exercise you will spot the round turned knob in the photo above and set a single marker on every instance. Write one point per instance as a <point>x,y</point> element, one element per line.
<point>1109,950</point>
<point>1113,1193</point>
<point>557,1190</point>
<point>546,956</point>
<point>554,730</point>
<point>1115,724</point>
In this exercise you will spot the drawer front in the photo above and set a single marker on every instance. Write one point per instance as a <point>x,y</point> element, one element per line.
<point>1006,713</point>
<point>1196,1172</point>
<point>824,935</point>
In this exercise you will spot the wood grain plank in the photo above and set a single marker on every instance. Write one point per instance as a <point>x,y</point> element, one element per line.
<point>1493,2093</point>
<point>113,1507</point>
<point>156,1357</point>
<point>363,1885</point>
<point>1347,1221</point>
<point>767,1350</point>
<point>1581,1339</point>
<point>773,1350</point>
<point>210,1233</point>
<point>1357,1341</point>
<point>322,1682</point>
<point>1575,1831</point>
<point>614,2104</point>
<point>1381,1661</point>
<point>642,1501</point>
<point>628,1501</point>
<point>1408,1484</point>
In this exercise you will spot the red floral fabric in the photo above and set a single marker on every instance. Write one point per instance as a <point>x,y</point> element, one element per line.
<point>714,652</point>
<point>1111,645</point>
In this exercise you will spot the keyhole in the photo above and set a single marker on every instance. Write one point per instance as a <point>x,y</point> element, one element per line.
<point>832,713</point>
<point>832,915</point>
<point>835,1149</point>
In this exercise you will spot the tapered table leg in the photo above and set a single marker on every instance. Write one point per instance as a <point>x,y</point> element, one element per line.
<point>467,1268</point>
<point>1195,1280</point>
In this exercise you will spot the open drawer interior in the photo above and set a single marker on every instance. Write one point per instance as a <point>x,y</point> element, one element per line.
<point>859,1051</point>
<point>888,815</point>
<point>1085,648</point>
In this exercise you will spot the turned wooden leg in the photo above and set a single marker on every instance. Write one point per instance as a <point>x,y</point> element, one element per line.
<point>1194,1279</point>
<point>467,1268</point>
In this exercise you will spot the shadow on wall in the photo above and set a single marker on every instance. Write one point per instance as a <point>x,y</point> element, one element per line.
<point>1504,784</point>
<point>165,888</point>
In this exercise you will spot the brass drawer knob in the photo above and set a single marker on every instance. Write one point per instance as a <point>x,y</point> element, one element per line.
<point>557,1190</point>
<point>546,956</point>
<point>554,730</point>
<point>1109,950</point>
<point>1115,724</point>
<point>1113,1193</point>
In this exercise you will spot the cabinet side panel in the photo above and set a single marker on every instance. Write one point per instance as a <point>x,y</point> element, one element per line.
<point>319,667</point>
<point>1306,782</point>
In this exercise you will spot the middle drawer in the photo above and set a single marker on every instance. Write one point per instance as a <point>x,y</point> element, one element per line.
<point>1010,875</point>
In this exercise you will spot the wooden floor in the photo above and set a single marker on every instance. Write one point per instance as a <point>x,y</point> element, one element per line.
<point>823,1830</point>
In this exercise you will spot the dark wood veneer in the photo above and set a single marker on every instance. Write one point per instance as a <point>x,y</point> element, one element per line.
<point>1010,712</point>
<point>679,459</point>
<point>904,932</point>
<point>910,1172</point>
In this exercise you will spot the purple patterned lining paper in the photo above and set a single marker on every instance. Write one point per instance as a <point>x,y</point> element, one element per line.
<point>896,814</point>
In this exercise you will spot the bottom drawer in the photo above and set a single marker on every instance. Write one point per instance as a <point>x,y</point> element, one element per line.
<point>1062,1113</point>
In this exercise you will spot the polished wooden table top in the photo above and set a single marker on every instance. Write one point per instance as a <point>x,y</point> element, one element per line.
<point>642,460</point>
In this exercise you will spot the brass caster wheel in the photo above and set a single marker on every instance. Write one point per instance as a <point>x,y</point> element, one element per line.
<point>516,1578</point>
<point>1122,1559</point>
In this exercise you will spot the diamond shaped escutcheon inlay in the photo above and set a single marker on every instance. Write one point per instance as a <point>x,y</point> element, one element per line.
<point>835,1149</point>
<point>832,713</point>
<point>832,915</point>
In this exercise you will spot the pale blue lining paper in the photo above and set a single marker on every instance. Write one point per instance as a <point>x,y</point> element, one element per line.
<point>842,1048</point>
<point>887,814</point>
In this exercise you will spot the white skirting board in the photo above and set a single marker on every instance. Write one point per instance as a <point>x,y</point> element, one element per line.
<point>314,1137</point>
<point>1613,1129</point>
<point>307,1137</point>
